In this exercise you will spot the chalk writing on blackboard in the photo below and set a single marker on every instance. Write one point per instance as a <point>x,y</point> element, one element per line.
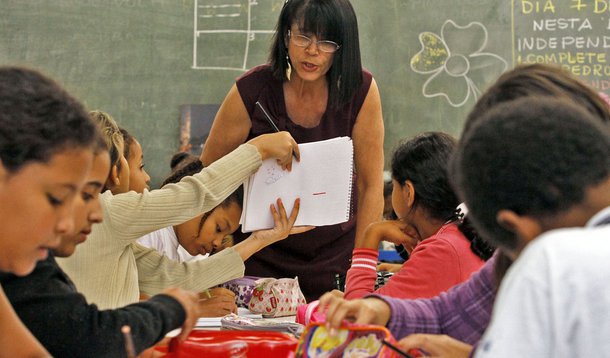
<point>456,62</point>
<point>224,24</point>
<point>571,34</point>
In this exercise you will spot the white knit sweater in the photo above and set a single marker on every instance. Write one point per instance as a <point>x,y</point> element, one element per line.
<point>106,268</point>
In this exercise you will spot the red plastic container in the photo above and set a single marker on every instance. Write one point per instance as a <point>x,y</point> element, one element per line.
<point>233,344</point>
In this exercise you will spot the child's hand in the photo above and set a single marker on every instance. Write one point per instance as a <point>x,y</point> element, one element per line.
<point>436,345</point>
<point>283,227</point>
<point>395,231</point>
<point>280,146</point>
<point>217,306</point>
<point>361,311</point>
<point>388,267</point>
<point>221,291</point>
<point>283,224</point>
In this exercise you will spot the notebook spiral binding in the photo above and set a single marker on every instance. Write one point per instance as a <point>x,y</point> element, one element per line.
<point>350,193</point>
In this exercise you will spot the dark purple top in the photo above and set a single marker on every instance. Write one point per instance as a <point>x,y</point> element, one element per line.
<point>317,255</point>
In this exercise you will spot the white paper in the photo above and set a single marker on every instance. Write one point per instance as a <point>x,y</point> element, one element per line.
<point>322,179</point>
<point>204,322</point>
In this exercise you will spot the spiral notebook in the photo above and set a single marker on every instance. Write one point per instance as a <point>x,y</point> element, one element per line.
<point>322,179</point>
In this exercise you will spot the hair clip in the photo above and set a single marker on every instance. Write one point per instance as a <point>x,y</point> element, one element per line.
<point>461,211</point>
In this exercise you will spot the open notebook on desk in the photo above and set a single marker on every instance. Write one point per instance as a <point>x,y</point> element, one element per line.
<point>322,179</point>
<point>208,322</point>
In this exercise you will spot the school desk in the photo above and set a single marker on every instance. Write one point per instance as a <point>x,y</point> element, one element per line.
<point>212,341</point>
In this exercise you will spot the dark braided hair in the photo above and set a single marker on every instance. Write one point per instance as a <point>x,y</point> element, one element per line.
<point>481,247</point>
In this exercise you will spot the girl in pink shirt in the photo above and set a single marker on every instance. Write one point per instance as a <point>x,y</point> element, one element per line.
<point>444,249</point>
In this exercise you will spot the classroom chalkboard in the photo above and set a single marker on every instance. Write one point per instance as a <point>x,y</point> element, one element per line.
<point>141,60</point>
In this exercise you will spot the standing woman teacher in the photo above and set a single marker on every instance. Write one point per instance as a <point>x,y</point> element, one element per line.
<point>315,88</point>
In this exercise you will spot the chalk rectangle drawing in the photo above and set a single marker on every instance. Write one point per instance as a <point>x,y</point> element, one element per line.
<point>230,23</point>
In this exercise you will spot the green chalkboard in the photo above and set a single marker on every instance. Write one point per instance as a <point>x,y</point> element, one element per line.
<point>140,60</point>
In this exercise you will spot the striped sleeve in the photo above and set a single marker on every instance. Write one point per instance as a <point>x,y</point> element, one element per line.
<point>362,274</point>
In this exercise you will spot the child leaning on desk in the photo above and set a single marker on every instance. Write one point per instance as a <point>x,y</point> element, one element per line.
<point>111,268</point>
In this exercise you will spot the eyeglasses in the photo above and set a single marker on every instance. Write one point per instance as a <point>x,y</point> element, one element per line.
<point>304,41</point>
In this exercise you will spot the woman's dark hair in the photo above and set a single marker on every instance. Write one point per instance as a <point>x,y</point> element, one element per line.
<point>39,119</point>
<point>424,161</point>
<point>333,20</point>
<point>539,80</point>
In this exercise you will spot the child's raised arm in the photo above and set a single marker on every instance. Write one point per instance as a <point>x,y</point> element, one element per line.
<point>284,226</point>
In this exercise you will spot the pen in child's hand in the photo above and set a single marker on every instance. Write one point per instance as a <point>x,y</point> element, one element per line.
<point>395,349</point>
<point>129,348</point>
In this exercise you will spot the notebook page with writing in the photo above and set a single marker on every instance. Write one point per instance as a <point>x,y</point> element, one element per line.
<point>322,179</point>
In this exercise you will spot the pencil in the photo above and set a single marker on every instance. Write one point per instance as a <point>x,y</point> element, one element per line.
<point>396,349</point>
<point>129,348</point>
<point>270,120</point>
<point>207,294</point>
<point>268,117</point>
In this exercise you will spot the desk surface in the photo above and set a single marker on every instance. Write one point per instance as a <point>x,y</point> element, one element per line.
<point>213,323</point>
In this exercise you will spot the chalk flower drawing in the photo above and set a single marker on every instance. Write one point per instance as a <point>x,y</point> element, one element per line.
<point>456,62</point>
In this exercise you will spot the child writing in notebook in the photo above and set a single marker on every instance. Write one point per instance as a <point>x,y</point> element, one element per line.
<point>444,253</point>
<point>46,149</point>
<point>111,269</point>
